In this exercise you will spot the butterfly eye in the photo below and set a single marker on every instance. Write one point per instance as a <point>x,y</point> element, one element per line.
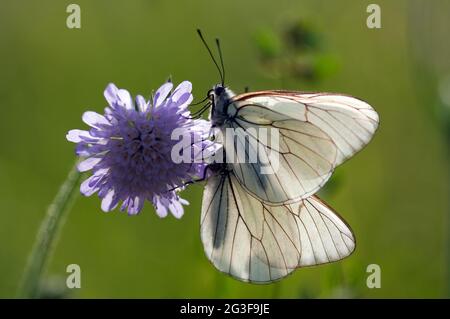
<point>218,90</point>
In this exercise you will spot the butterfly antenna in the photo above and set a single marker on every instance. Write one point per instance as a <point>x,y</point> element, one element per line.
<point>221,61</point>
<point>200,102</point>
<point>210,53</point>
<point>201,110</point>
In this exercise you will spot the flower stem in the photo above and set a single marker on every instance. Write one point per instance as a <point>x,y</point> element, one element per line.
<point>48,234</point>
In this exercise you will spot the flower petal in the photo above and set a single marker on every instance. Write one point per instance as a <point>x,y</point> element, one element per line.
<point>110,94</point>
<point>183,101</point>
<point>76,136</point>
<point>135,205</point>
<point>88,163</point>
<point>83,150</point>
<point>182,88</point>
<point>109,202</point>
<point>94,119</point>
<point>141,104</point>
<point>176,209</point>
<point>162,93</point>
<point>125,204</point>
<point>183,201</point>
<point>161,209</point>
<point>88,190</point>
<point>125,99</point>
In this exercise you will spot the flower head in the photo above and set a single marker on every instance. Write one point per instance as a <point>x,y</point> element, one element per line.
<point>129,148</point>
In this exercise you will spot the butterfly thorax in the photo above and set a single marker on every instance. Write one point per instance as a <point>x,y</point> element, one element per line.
<point>221,98</point>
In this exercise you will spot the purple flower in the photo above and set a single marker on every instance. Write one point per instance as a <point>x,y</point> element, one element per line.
<point>129,148</point>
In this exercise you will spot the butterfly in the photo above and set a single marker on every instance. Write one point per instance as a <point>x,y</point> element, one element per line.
<point>260,227</point>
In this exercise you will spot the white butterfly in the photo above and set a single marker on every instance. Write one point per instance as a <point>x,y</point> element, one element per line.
<point>260,227</point>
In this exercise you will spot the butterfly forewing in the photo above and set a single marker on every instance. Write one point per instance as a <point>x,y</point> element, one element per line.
<point>305,158</point>
<point>349,122</point>
<point>316,133</point>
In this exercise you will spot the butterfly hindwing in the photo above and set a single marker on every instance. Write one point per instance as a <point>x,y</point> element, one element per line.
<point>259,243</point>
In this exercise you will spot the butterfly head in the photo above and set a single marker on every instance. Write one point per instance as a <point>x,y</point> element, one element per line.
<point>219,89</point>
<point>220,97</point>
<point>217,93</point>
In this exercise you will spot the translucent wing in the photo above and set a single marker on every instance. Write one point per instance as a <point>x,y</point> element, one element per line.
<point>317,132</point>
<point>258,243</point>
<point>349,122</point>
<point>296,167</point>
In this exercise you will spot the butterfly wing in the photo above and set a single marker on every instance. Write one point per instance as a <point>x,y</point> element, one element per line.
<point>255,242</point>
<point>317,132</point>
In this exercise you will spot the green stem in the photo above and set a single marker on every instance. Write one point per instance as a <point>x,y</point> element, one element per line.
<point>48,234</point>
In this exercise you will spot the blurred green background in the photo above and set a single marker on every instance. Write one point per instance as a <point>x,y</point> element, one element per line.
<point>394,194</point>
